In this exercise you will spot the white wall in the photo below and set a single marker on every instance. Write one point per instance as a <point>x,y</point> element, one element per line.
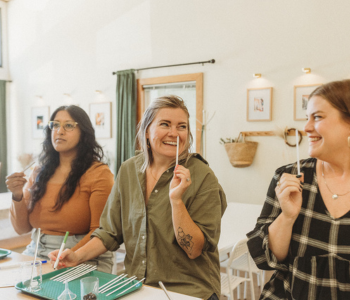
<point>66,46</point>
<point>4,72</point>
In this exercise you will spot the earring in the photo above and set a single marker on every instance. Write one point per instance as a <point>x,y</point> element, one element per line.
<point>149,145</point>
<point>349,141</point>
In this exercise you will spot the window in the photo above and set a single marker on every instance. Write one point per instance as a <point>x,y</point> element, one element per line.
<point>189,87</point>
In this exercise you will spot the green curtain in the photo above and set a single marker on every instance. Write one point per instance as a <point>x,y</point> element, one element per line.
<point>126,116</point>
<point>3,136</point>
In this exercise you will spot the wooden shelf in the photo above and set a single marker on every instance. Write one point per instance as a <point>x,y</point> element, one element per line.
<point>291,132</point>
<point>258,133</point>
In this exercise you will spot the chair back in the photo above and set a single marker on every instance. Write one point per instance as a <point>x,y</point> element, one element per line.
<point>239,249</point>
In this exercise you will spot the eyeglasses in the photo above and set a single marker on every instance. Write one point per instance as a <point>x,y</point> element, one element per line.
<point>67,126</point>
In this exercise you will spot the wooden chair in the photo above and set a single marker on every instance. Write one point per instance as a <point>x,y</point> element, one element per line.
<point>229,282</point>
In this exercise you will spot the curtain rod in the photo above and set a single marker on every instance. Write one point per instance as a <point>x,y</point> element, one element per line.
<point>212,61</point>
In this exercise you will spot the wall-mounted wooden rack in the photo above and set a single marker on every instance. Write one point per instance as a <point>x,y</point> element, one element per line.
<point>287,132</point>
<point>291,132</point>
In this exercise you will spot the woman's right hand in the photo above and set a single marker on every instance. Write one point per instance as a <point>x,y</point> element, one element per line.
<point>15,183</point>
<point>68,258</point>
<point>289,193</point>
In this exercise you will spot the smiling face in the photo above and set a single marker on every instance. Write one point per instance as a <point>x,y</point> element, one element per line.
<point>163,131</point>
<point>65,142</point>
<point>326,129</point>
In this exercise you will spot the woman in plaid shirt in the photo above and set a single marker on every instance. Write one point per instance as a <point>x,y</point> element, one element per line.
<point>303,231</point>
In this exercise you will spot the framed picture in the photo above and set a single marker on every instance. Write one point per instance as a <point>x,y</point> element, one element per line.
<point>100,115</point>
<point>301,96</point>
<point>259,104</point>
<point>40,118</point>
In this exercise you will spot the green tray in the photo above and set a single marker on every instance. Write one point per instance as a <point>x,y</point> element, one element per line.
<point>4,253</point>
<point>52,289</point>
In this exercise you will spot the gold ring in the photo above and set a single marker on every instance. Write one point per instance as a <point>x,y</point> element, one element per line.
<point>278,183</point>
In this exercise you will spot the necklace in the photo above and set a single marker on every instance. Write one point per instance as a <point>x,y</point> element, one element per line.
<point>334,195</point>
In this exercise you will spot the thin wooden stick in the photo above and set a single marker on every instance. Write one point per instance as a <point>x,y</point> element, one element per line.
<point>126,283</point>
<point>132,286</point>
<point>81,274</point>
<point>113,281</point>
<point>164,289</point>
<point>74,272</point>
<point>115,285</point>
<point>61,274</point>
<point>297,146</point>
<point>35,255</point>
<point>177,151</point>
<point>106,284</point>
<point>27,167</point>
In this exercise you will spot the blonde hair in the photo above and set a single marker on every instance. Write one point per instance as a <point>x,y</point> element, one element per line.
<point>170,101</point>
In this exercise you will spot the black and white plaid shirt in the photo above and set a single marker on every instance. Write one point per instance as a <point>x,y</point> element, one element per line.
<point>318,262</point>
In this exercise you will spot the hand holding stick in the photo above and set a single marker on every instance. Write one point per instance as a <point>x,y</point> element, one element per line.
<point>61,249</point>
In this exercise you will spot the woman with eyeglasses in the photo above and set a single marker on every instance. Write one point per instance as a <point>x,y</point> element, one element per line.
<point>68,189</point>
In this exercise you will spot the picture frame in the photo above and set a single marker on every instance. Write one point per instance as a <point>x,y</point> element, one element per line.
<point>39,119</point>
<point>301,96</point>
<point>259,104</point>
<point>100,116</point>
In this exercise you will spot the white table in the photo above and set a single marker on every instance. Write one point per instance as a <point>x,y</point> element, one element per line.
<point>237,221</point>
<point>150,293</point>
<point>145,293</point>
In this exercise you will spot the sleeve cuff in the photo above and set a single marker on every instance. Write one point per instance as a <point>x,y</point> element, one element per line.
<point>270,257</point>
<point>108,241</point>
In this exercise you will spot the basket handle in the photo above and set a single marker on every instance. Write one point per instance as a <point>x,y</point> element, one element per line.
<point>241,136</point>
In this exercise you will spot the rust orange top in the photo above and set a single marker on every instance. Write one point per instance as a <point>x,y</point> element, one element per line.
<point>80,215</point>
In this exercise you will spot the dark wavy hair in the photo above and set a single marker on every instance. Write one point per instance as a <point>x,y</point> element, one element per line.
<point>337,93</point>
<point>88,152</point>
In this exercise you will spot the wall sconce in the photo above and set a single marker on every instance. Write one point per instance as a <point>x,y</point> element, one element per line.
<point>306,70</point>
<point>39,100</point>
<point>67,99</point>
<point>99,96</point>
<point>257,75</point>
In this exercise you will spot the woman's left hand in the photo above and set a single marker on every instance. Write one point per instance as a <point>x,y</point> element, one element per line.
<point>180,182</point>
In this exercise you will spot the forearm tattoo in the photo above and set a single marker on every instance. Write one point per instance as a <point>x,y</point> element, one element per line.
<point>184,240</point>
